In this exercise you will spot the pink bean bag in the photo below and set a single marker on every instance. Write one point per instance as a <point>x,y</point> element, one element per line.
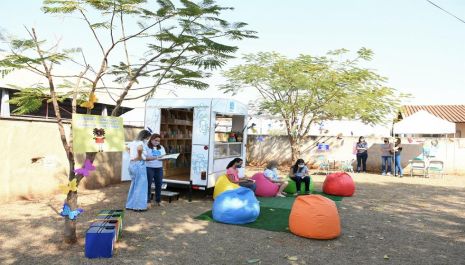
<point>339,184</point>
<point>265,188</point>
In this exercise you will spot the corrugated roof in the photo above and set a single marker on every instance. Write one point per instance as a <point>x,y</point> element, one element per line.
<point>452,113</point>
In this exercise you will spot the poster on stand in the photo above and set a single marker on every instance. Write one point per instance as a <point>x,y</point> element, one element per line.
<point>94,133</point>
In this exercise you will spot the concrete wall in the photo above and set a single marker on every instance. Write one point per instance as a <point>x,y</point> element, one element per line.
<point>33,162</point>
<point>460,128</point>
<point>261,149</point>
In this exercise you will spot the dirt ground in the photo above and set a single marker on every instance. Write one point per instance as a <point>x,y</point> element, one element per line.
<point>388,221</point>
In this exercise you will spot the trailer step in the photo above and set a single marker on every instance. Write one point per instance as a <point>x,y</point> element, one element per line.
<point>170,195</point>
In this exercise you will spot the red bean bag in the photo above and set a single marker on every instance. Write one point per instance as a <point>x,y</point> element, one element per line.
<point>314,216</point>
<point>265,188</point>
<point>339,184</point>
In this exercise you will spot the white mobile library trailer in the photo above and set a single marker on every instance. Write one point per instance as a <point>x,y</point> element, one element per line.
<point>197,129</point>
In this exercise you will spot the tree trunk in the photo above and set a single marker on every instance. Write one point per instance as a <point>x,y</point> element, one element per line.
<point>71,199</point>
<point>295,148</point>
<point>70,225</point>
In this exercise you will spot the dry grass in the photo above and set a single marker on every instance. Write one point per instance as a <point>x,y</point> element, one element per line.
<point>411,220</point>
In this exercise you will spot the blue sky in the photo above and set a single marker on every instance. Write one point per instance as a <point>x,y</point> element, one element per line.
<point>419,48</point>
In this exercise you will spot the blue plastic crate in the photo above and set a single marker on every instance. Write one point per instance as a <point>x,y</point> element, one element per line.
<point>111,223</point>
<point>100,241</point>
<point>118,217</point>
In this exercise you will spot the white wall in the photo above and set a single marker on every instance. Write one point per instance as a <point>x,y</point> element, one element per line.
<point>261,149</point>
<point>268,125</point>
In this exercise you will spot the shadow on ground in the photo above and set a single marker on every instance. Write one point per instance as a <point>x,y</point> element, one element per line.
<point>411,224</point>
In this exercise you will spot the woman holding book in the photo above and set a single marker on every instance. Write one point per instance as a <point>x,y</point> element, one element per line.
<point>300,173</point>
<point>154,167</point>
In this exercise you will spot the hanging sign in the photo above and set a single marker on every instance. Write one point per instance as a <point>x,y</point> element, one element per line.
<point>94,133</point>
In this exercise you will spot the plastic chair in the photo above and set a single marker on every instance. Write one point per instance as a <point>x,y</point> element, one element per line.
<point>435,167</point>
<point>418,165</point>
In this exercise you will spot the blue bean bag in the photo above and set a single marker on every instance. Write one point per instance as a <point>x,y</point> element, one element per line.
<point>238,206</point>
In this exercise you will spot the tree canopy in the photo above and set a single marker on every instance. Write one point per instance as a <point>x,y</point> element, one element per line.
<point>141,46</point>
<point>309,89</point>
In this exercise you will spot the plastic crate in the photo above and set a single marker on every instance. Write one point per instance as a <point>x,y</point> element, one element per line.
<point>100,242</point>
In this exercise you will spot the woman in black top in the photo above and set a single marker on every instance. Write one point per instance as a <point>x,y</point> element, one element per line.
<point>362,154</point>
<point>397,151</point>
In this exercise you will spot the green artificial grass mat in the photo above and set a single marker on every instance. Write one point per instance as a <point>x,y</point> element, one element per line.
<point>274,212</point>
<point>332,197</point>
<point>270,219</point>
<point>286,202</point>
<point>277,202</point>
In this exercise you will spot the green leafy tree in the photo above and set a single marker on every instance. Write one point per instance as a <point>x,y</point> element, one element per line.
<point>142,45</point>
<point>310,89</point>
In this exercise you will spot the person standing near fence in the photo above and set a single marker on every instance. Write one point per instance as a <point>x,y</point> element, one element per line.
<point>361,149</point>
<point>397,160</point>
<point>386,157</point>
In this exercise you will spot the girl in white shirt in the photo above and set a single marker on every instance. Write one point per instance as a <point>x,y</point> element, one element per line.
<point>155,166</point>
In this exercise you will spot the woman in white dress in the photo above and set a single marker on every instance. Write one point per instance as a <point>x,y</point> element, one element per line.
<point>137,195</point>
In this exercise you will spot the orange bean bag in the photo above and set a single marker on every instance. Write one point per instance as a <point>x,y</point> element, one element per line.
<point>265,188</point>
<point>314,216</point>
<point>339,184</point>
<point>223,184</point>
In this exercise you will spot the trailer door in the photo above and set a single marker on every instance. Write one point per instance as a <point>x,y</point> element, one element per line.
<point>153,118</point>
<point>200,145</point>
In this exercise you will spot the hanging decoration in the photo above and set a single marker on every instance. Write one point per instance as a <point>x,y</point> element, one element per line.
<point>67,212</point>
<point>95,133</point>
<point>72,186</point>
<point>90,103</point>
<point>85,170</point>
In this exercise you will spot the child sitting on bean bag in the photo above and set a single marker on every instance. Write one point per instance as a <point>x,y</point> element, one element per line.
<point>271,172</point>
<point>265,188</point>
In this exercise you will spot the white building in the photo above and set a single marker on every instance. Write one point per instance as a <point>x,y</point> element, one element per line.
<point>265,124</point>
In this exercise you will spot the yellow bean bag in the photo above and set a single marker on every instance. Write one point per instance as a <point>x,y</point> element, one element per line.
<point>223,184</point>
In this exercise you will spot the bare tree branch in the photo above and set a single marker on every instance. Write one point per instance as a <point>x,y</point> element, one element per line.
<point>93,31</point>
<point>125,45</point>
